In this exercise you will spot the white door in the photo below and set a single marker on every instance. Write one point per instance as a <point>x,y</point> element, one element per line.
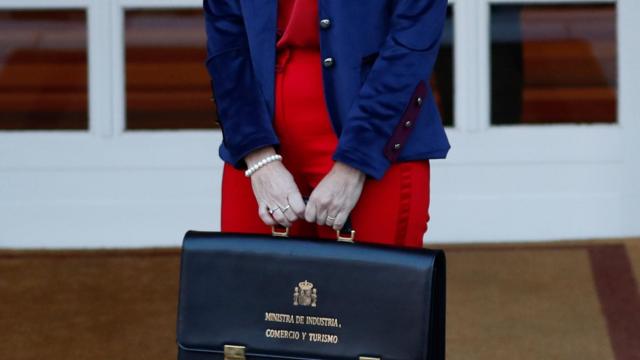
<point>107,133</point>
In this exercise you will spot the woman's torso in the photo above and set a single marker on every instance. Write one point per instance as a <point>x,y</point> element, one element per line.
<point>356,39</point>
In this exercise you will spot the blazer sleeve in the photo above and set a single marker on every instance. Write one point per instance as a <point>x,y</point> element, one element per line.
<point>242,110</point>
<point>402,70</point>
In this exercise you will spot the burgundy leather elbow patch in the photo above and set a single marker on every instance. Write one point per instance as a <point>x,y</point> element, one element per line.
<point>407,122</point>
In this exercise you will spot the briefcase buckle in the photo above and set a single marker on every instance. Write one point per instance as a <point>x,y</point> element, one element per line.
<point>234,352</point>
<point>368,358</point>
<point>275,232</point>
<point>349,238</point>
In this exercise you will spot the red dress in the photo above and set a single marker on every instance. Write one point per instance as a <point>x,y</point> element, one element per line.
<point>393,210</point>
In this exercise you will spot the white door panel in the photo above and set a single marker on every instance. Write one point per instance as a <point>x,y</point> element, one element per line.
<point>111,187</point>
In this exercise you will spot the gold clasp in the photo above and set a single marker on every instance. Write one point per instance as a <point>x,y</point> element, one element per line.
<point>234,352</point>
<point>349,238</point>
<point>368,358</point>
<point>284,233</point>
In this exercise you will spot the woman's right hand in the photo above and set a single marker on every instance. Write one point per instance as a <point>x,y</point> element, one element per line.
<point>273,185</point>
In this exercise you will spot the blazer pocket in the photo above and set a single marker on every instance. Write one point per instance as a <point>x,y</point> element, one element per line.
<point>405,125</point>
<point>366,63</point>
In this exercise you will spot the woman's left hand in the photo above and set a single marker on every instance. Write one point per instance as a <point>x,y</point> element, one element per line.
<point>336,195</point>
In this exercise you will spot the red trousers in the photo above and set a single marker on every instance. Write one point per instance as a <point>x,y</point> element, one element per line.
<point>392,210</point>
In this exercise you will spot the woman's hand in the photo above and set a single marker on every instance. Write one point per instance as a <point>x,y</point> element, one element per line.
<point>273,186</point>
<point>336,195</point>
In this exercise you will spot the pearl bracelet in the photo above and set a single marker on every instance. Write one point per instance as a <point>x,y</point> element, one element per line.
<point>262,163</point>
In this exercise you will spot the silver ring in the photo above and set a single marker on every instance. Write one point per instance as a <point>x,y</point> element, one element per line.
<point>271,211</point>
<point>285,208</point>
<point>330,218</point>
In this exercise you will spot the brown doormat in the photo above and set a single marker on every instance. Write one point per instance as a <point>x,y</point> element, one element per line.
<point>561,300</point>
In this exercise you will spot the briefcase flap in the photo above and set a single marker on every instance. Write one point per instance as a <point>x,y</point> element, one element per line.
<point>304,298</point>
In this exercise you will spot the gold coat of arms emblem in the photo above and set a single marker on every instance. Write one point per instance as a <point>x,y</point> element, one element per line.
<point>304,294</point>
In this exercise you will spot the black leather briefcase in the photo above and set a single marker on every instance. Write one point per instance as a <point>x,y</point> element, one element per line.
<point>279,297</point>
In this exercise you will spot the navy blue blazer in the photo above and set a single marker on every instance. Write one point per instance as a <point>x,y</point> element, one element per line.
<point>377,58</point>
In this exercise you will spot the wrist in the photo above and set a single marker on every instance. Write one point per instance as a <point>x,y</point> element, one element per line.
<point>261,163</point>
<point>341,166</point>
<point>255,156</point>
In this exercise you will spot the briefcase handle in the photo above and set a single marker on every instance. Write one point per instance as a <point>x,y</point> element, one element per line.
<point>346,228</point>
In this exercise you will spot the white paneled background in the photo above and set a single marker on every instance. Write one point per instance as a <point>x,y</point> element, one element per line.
<point>109,187</point>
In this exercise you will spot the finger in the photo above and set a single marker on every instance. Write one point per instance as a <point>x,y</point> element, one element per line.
<point>297,203</point>
<point>331,215</point>
<point>330,218</point>
<point>310,211</point>
<point>341,218</point>
<point>281,218</point>
<point>288,213</point>
<point>322,216</point>
<point>263,212</point>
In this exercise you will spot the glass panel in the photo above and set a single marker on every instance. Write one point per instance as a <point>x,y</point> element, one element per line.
<point>43,70</point>
<point>167,82</point>
<point>442,78</point>
<point>553,64</point>
<point>171,43</point>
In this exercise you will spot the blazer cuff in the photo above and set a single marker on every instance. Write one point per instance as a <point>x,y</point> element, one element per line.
<point>373,168</point>
<point>236,156</point>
